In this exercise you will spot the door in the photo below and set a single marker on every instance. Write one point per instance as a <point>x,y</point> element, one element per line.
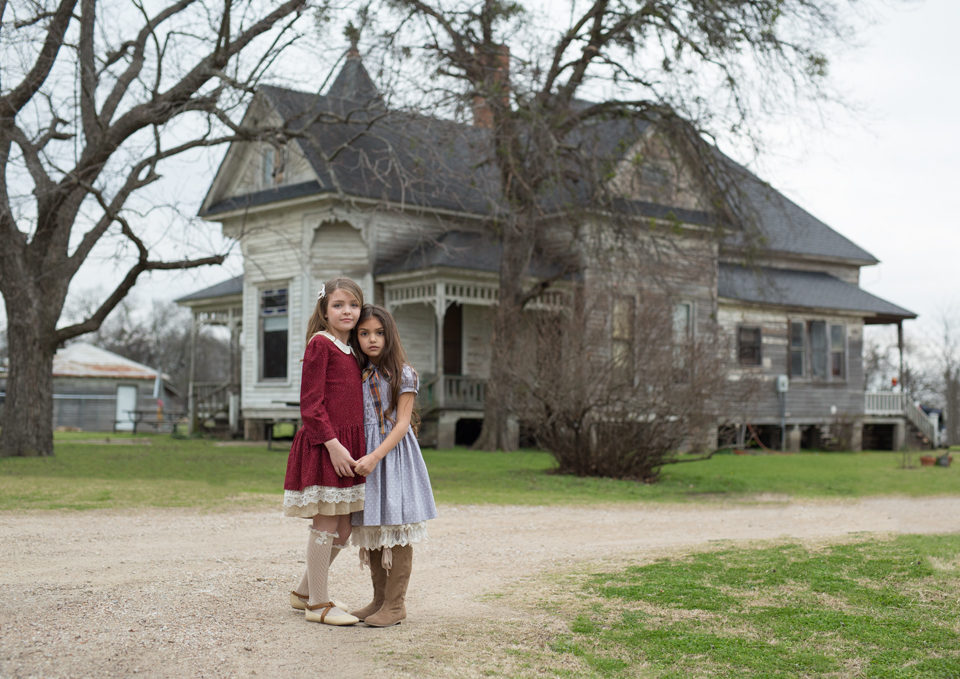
<point>453,340</point>
<point>126,402</point>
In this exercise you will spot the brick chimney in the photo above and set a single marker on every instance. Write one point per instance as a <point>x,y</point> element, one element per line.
<point>496,66</point>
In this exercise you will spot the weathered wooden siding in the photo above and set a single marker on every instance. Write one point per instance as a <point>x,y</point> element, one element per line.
<point>273,258</point>
<point>647,268</point>
<point>394,234</point>
<point>808,401</point>
<point>652,172</point>
<point>337,249</point>
<point>477,325</point>
<point>418,332</point>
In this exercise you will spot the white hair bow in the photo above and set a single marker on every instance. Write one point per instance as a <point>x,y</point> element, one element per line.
<point>322,292</point>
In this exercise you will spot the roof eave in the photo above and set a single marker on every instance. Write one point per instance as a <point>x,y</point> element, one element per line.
<point>869,317</point>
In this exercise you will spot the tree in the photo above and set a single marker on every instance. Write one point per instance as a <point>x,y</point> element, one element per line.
<point>161,340</point>
<point>692,67</point>
<point>96,98</point>
<point>943,374</point>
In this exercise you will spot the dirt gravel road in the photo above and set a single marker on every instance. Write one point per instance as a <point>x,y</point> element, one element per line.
<point>178,593</point>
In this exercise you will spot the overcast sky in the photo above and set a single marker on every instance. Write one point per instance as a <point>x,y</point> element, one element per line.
<point>886,176</point>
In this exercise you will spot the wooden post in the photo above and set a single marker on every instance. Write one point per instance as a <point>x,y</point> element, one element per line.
<point>191,396</point>
<point>900,349</point>
<point>440,305</point>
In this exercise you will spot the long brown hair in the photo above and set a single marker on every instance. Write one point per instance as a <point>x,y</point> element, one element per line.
<point>317,321</point>
<point>392,359</point>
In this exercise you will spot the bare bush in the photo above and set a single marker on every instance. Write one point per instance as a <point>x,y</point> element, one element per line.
<point>618,390</point>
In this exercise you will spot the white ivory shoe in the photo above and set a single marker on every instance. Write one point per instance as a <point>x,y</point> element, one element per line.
<point>329,614</point>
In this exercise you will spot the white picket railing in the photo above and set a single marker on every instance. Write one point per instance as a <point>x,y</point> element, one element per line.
<point>898,403</point>
<point>884,402</point>
<point>452,391</point>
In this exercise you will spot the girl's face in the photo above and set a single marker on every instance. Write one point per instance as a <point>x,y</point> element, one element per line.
<point>343,310</point>
<point>371,337</point>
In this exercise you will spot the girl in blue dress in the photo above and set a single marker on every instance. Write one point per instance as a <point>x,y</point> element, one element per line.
<point>398,499</point>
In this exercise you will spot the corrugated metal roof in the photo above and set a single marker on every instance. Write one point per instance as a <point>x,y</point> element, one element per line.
<point>85,360</point>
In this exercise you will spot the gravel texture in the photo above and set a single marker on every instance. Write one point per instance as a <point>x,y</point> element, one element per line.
<point>178,593</point>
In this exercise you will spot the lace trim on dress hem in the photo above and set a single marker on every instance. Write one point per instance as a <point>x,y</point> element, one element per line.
<point>378,537</point>
<point>325,509</point>
<point>322,494</point>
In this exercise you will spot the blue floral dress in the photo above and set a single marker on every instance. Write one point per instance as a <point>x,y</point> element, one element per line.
<point>398,500</point>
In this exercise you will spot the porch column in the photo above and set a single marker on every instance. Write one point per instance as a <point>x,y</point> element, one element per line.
<point>234,413</point>
<point>900,349</point>
<point>793,438</point>
<point>191,396</point>
<point>440,307</point>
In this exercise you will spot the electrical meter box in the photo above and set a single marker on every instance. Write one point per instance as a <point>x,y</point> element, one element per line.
<point>783,383</point>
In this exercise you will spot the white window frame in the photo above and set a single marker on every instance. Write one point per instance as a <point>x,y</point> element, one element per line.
<point>808,359</point>
<point>267,316</point>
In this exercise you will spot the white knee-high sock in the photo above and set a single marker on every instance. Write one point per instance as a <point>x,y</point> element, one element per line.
<point>318,565</point>
<point>304,586</point>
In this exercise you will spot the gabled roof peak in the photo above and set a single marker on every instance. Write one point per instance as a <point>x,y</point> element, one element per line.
<point>354,84</point>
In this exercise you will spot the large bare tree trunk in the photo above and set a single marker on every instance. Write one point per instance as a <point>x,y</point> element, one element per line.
<point>499,396</point>
<point>26,427</point>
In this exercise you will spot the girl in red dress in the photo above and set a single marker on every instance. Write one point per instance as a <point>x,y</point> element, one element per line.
<point>320,483</point>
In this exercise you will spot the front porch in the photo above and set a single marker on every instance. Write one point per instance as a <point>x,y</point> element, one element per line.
<point>443,308</point>
<point>897,409</point>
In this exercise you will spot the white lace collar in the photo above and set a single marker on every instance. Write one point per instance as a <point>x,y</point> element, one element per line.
<point>345,348</point>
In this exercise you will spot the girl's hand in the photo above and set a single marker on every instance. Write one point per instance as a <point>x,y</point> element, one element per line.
<point>366,464</point>
<point>343,464</point>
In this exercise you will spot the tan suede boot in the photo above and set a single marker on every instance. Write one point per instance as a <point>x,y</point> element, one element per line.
<point>395,592</point>
<point>379,578</point>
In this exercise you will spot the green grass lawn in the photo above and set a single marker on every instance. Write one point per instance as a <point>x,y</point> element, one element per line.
<point>162,471</point>
<point>867,609</point>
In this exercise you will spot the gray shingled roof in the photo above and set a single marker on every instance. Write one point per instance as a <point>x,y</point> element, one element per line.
<point>464,250</point>
<point>359,147</point>
<point>805,290</point>
<point>233,286</point>
<point>783,225</point>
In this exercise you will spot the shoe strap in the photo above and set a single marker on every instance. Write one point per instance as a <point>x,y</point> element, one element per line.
<point>326,609</point>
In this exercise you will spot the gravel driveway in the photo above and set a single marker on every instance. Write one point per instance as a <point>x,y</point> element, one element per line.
<point>177,593</point>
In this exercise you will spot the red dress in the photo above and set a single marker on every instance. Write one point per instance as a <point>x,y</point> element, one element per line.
<point>331,406</point>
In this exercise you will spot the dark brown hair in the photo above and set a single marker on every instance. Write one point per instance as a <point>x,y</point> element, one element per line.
<point>392,359</point>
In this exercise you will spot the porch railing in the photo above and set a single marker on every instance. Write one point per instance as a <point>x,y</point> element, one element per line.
<point>211,398</point>
<point>457,392</point>
<point>898,403</point>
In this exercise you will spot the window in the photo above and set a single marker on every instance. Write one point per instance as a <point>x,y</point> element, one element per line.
<point>267,165</point>
<point>796,350</point>
<point>817,350</point>
<point>272,162</point>
<point>838,352</point>
<point>682,340</point>
<point>274,326</point>
<point>682,322</point>
<point>748,345</point>
<point>621,333</point>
